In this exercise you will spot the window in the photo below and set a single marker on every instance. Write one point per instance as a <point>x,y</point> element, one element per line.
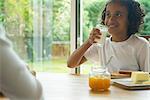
<point>42,30</point>
<point>39,31</point>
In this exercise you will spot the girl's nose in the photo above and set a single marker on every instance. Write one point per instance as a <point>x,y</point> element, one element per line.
<point>112,18</point>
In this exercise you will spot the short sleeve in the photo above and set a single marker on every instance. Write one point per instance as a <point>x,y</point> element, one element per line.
<point>93,53</point>
<point>144,57</point>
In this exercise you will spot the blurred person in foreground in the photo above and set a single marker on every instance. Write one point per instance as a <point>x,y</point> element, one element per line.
<point>16,81</point>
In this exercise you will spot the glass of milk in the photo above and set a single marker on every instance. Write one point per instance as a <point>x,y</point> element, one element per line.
<point>104,30</point>
<point>100,42</point>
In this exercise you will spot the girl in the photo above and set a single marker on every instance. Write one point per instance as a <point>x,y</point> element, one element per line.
<point>126,50</point>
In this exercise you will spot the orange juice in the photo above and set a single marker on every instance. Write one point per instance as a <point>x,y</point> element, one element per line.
<point>98,83</point>
<point>99,79</point>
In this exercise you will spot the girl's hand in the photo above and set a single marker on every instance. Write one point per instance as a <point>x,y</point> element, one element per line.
<point>95,36</point>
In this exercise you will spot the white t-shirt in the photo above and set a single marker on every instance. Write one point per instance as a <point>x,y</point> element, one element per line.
<point>16,82</point>
<point>132,54</point>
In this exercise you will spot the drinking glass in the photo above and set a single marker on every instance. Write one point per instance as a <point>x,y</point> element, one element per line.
<point>99,79</point>
<point>100,42</point>
<point>104,30</point>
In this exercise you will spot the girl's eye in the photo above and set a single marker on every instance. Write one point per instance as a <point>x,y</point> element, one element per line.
<point>118,14</point>
<point>107,14</point>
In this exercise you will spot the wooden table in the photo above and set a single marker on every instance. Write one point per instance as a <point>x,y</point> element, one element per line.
<point>71,87</point>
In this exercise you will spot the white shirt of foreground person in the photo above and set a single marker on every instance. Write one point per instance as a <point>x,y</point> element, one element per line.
<point>16,82</point>
<point>132,54</point>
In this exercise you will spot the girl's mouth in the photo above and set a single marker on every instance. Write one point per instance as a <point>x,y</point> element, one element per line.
<point>112,26</point>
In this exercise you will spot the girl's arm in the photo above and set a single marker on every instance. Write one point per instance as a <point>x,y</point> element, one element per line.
<point>77,56</point>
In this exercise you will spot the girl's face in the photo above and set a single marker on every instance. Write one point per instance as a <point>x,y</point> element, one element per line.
<point>116,18</point>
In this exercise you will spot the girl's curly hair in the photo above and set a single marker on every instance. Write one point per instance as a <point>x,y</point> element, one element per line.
<point>135,14</point>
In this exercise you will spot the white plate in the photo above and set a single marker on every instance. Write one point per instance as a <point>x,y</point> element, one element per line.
<point>126,83</point>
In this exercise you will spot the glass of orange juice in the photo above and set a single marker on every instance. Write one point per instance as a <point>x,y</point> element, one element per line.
<point>99,79</point>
